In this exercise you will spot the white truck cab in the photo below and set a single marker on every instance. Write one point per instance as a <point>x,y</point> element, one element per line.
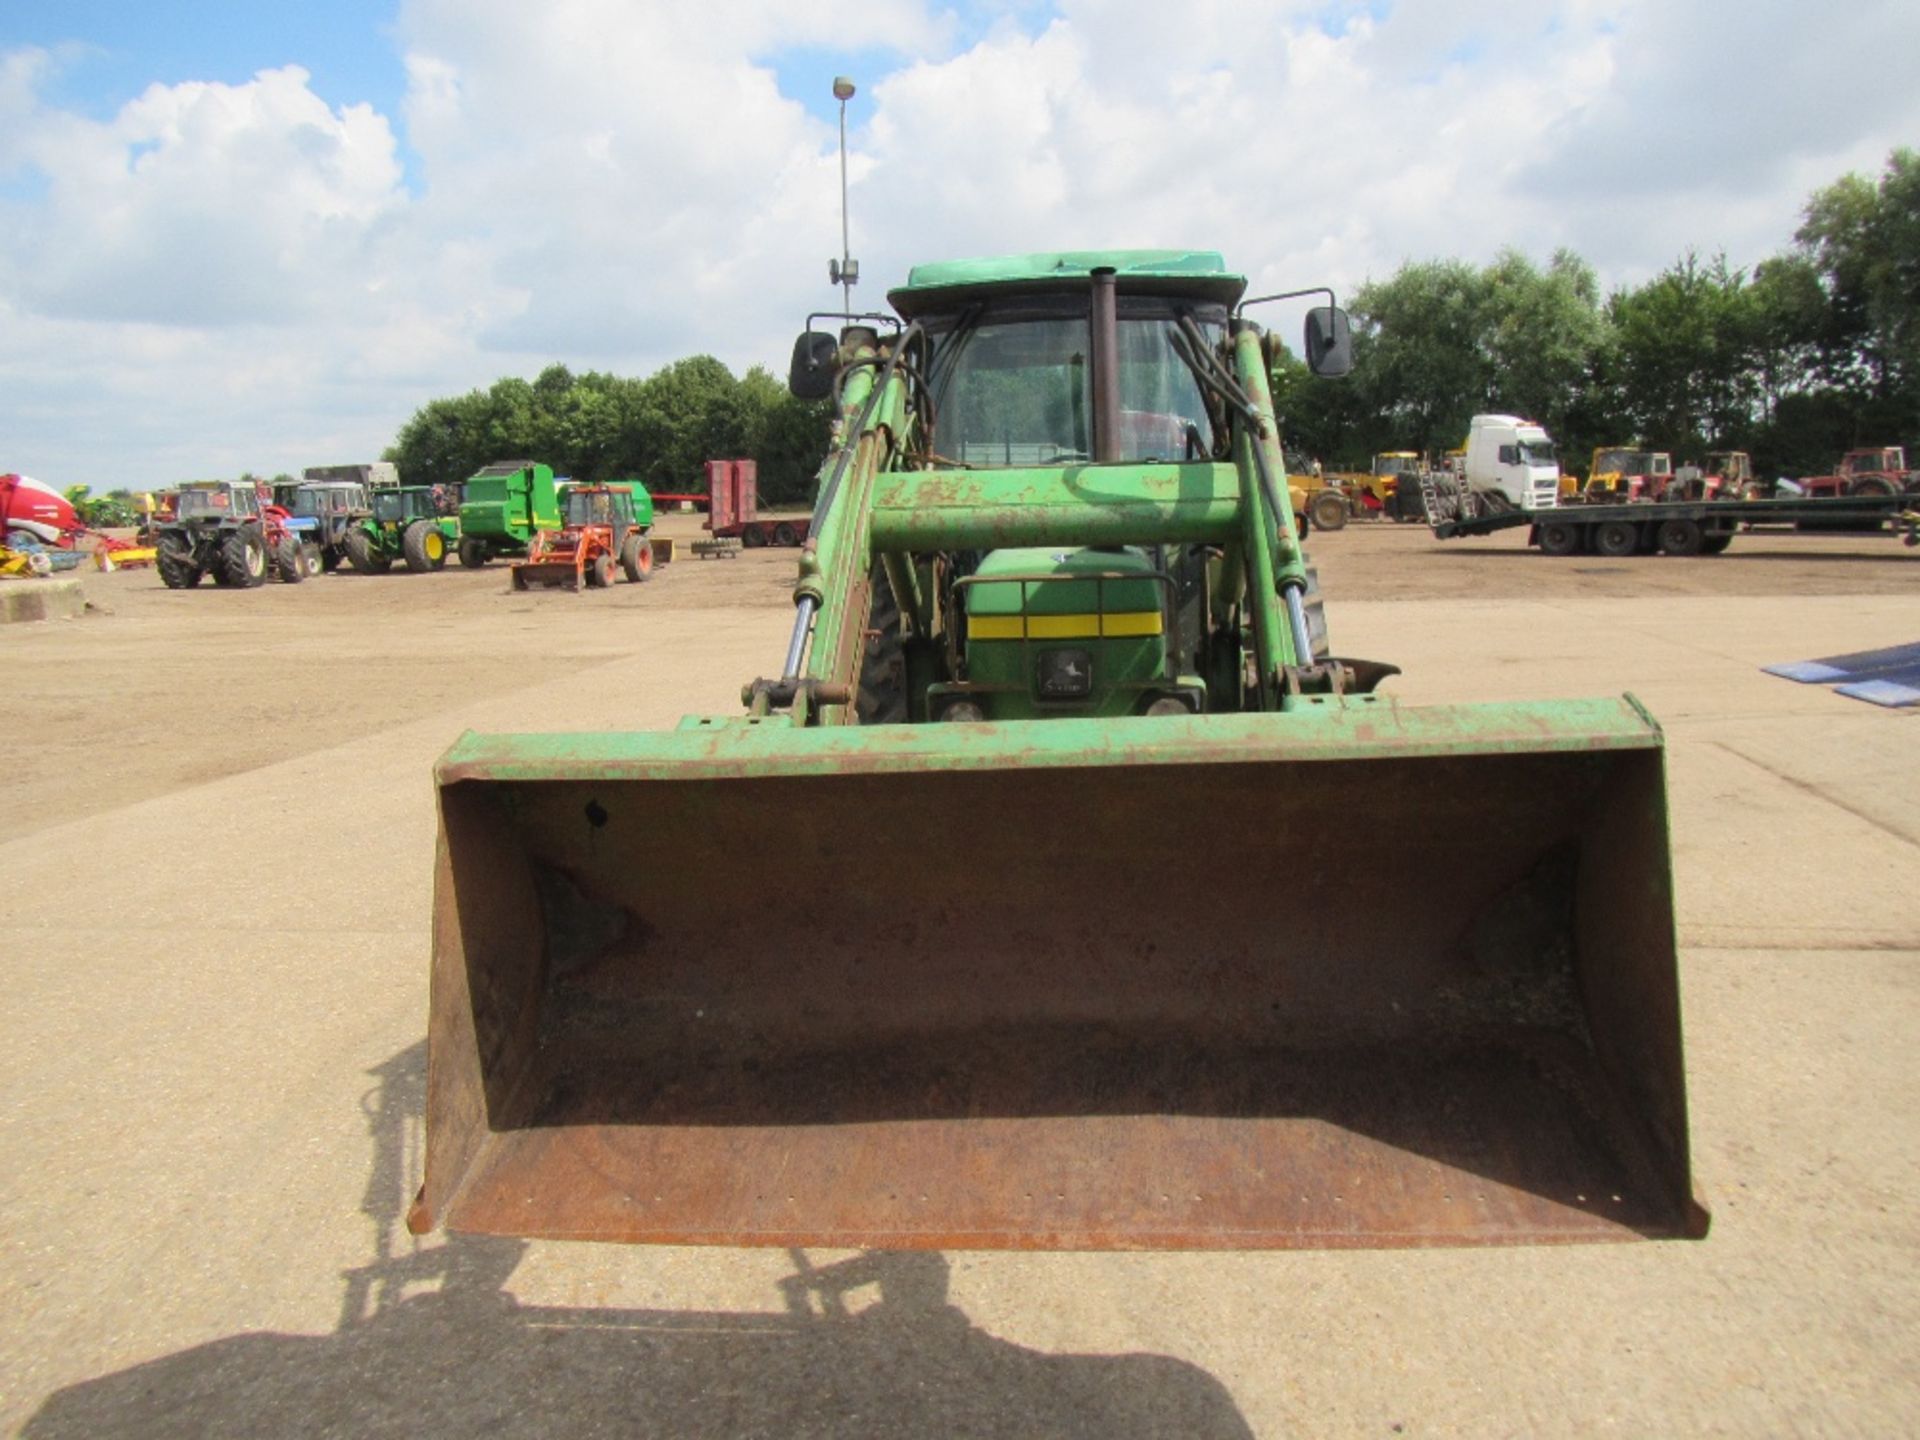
<point>1510,459</point>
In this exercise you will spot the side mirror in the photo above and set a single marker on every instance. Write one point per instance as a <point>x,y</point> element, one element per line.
<point>1329,342</point>
<point>810,375</point>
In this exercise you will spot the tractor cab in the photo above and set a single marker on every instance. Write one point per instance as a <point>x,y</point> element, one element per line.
<point>405,504</point>
<point>592,505</point>
<point>216,501</point>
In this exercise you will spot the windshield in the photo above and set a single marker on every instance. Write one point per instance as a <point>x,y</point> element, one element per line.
<point>203,502</point>
<point>590,508</point>
<point>1392,464</point>
<point>1536,452</point>
<point>1016,389</point>
<point>400,504</point>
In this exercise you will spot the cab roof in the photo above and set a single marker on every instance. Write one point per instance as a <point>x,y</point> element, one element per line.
<point>1189,274</point>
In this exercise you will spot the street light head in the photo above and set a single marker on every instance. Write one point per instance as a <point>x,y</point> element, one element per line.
<point>842,88</point>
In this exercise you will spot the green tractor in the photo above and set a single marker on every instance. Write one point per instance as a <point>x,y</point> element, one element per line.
<point>409,523</point>
<point>1063,795</point>
<point>506,504</point>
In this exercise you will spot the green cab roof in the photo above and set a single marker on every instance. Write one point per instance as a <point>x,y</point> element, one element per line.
<point>1195,274</point>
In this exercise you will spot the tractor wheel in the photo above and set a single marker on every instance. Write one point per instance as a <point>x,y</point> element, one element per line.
<point>1559,537</point>
<point>600,571</point>
<point>286,562</point>
<point>364,556</point>
<point>1329,510</point>
<point>1617,539</point>
<point>242,562</point>
<point>1681,537</point>
<point>330,558</point>
<point>177,570</point>
<point>473,554</point>
<point>882,697</point>
<point>753,537</point>
<point>311,560</point>
<point>424,546</point>
<point>1873,485</point>
<point>636,559</point>
<point>785,534</point>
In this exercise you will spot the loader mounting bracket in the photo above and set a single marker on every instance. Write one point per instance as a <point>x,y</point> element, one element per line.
<point>780,694</point>
<point>1337,677</point>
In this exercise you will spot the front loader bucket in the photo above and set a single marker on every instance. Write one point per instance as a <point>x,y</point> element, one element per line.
<point>545,574</point>
<point>1349,977</point>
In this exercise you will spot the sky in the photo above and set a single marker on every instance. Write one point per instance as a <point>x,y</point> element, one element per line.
<point>258,237</point>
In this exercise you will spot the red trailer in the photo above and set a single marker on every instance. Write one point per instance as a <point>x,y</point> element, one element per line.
<point>734,507</point>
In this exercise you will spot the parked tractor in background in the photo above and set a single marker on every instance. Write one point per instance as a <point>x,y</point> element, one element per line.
<point>1066,793</point>
<point>1727,475</point>
<point>323,513</point>
<point>505,505</point>
<point>222,528</point>
<point>1866,472</point>
<point>1389,489</point>
<point>1623,473</point>
<point>603,525</point>
<point>414,524</point>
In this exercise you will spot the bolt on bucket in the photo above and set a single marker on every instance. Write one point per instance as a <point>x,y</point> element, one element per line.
<point>1349,977</point>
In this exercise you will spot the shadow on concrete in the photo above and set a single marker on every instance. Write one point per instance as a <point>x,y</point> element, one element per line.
<point>431,1343</point>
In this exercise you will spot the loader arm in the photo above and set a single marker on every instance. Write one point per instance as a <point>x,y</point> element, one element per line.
<point>834,596</point>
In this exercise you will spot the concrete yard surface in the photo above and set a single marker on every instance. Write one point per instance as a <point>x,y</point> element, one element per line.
<point>214,891</point>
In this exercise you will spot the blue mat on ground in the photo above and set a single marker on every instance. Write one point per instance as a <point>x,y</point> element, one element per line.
<point>1860,665</point>
<point>1894,691</point>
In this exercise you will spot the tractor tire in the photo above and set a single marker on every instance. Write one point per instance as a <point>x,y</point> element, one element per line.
<point>636,559</point>
<point>331,558</point>
<point>177,570</point>
<point>753,537</point>
<point>424,547</point>
<point>1558,537</point>
<point>882,696</point>
<point>473,554</point>
<point>363,556</point>
<point>287,563</point>
<point>312,561</point>
<point>786,535</point>
<point>242,562</point>
<point>600,571</point>
<point>1329,510</point>
<point>1617,539</point>
<point>1681,537</point>
<point>1873,485</point>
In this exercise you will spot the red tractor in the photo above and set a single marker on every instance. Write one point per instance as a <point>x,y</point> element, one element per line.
<point>1867,472</point>
<point>604,524</point>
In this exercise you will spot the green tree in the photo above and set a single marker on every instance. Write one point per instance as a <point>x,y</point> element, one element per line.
<point>1683,357</point>
<point>1863,238</point>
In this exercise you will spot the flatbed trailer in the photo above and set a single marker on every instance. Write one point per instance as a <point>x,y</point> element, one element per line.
<point>1683,527</point>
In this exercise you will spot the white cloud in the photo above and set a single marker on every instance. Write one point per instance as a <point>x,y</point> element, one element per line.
<point>224,276</point>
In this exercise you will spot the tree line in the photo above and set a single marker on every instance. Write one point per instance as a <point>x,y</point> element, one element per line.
<point>598,427</point>
<point>1807,354</point>
<point>1810,353</point>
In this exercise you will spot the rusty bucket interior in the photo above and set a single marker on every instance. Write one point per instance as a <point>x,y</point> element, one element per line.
<point>1398,1001</point>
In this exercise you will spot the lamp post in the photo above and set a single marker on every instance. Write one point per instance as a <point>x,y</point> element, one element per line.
<point>845,271</point>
